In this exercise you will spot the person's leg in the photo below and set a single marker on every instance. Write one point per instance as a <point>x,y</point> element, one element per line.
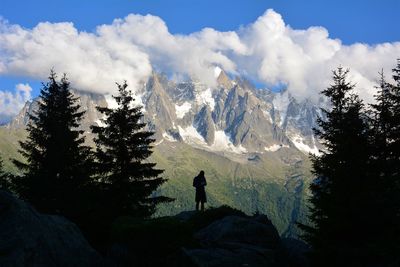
<point>202,206</point>
<point>197,205</point>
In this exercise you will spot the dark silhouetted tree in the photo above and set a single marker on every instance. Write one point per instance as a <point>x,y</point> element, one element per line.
<point>128,181</point>
<point>57,166</point>
<point>385,165</point>
<point>342,201</point>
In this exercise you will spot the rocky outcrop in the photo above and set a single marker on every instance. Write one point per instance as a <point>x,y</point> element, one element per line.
<point>21,120</point>
<point>204,124</point>
<point>240,241</point>
<point>28,238</point>
<point>253,120</point>
<point>160,111</point>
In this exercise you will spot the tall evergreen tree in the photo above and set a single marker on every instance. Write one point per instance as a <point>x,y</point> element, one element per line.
<point>128,180</point>
<point>56,169</point>
<point>385,164</point>
<point>341,196</point>
<point>394,134</point>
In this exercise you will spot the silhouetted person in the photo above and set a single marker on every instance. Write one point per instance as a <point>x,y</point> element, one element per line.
<point>199,182</point>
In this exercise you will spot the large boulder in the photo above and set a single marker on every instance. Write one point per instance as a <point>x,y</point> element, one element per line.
<point>257,231</point>
<point>236,241</point>
<point>28,238</point>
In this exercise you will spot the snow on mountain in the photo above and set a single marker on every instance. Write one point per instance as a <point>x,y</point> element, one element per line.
<point>182,109</point>
<point>191,136</point>
<point>205,98</point>
<point>274,147</point>
<point>222,142</point>
<point>232,117</point>
<point>298,141</point>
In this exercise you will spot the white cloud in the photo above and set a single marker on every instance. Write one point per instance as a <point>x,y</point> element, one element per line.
<point>12,102</point>
<point>267,50</point>
<point>303,59</point>
<point>93,62</point>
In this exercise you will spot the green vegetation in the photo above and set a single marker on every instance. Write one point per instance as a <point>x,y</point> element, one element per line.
<point>268,186</point>
<point>9,143</point>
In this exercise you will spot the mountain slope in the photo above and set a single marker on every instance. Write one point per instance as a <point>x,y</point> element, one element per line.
<point>252,144</point>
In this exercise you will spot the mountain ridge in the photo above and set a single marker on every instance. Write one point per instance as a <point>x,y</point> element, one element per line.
<point>235,132</point>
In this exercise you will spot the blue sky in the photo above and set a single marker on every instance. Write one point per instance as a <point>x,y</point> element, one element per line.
<point>371,22</point>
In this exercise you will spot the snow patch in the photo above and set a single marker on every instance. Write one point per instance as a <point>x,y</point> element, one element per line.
<point>205,98</point>
<point>182,109</point>
<point>298,141</point>
<point>274,147</point>
<point>222,142</point>
<point>190,135</point>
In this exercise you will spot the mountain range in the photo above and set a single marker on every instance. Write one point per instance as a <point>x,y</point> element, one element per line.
<point>253,144</point>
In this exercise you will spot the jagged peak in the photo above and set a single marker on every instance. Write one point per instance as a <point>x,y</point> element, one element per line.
<point>223,79</point>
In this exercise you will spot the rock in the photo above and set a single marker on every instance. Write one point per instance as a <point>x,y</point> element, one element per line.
<point>239,230</point>
<point>28,238</point>
<point>236,241</point>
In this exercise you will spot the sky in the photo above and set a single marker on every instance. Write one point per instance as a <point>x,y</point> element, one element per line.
<point>289,42</point>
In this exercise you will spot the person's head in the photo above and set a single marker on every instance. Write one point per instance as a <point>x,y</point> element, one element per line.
<point>201,173</point>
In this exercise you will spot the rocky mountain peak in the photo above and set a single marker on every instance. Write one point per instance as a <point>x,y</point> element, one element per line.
<point>224,81</point>
<point>233,117</point>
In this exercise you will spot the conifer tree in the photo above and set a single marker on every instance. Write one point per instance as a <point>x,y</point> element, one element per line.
<point>57,166</point>
<point>127,179</point>
<point>341,192</point>
<point>394,133</point>
<point>385,165</point>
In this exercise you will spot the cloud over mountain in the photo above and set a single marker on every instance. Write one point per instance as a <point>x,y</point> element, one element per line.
<point>12,103</point>
<point>268,51</point>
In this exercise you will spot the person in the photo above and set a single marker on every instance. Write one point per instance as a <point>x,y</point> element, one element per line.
<point>199,182</point>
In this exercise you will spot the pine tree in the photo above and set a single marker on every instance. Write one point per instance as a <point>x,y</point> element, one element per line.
<point>394,134</point>
<point>127,180</point>
<point>56,169</point>
<point>341,192</point>
<point>385,164</point>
